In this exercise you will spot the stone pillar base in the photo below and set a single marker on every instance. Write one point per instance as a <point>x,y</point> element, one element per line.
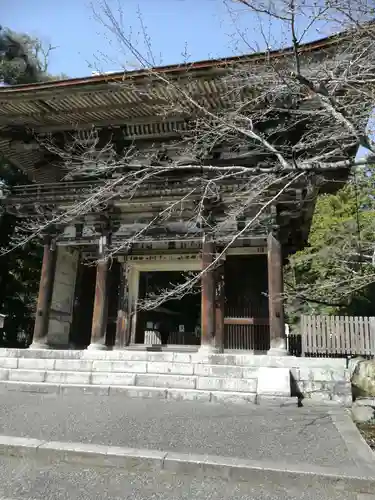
<point>278,347</point>
<point>97,347</point>
<point>39,344</point>
<point>277,352</point>
<point>208,349</point>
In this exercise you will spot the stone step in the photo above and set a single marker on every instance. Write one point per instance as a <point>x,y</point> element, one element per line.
<point>318,379</point>
<point>131,391</point>
<point>155,367</point>
<point>131,379</point>
<point>241,359</point>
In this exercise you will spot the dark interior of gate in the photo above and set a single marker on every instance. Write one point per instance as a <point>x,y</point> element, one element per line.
<point>177,321</point>
<point>246,323</point>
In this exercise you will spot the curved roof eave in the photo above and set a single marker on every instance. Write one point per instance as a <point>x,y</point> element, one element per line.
<point>175,69</point>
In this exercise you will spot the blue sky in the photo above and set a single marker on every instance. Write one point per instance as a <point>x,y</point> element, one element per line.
<point>204,27</point>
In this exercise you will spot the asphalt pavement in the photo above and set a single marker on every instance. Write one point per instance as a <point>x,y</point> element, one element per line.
<point>25,479</point>
<point>311,437</point>
<point>292,435</point>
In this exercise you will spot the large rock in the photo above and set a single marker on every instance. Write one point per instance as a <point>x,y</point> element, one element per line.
<point>362,414</point>
<point>363,379</point>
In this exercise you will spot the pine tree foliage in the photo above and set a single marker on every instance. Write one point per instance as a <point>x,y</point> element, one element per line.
<point>22,60</point>
<point>335,273</point>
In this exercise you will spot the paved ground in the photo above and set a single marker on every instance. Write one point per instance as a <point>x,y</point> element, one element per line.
<point>292,435</point>
<point>31,480</point>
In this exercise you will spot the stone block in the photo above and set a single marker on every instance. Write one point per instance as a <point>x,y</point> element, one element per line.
<point>102,365</point>
<point>233,397</point>
<point>305,373</point>
<point>324,363</point>
<point>218,371</point>
<point>76,453</point>
<point>173,381</point>
<point>112,378</point>
<point>203,466</point>
<point>97,390</point>
<point>309,387</point>
<point>4,374</point>
<point>188,395</point>
<point>134,459</point>
<point>277,401</point>
<point>69,377</point>
<point>363,379</point>
<point>19,446</point>
<point>60,354</point>
<point>220,359</point>
<point>226,384</point>
<point>343,400</point>
<point>139,392</point>
<point>250,371</point>
<point>38,387</point>
<point>182,357</point>
<point>8,362</point>
<point>365,402</point>
<point>362,414</point>
<point>342,388</point>
<point>161,357</point>
<point>274,381</point>
<point>27,375</point>
<point>36,364</point>
<point>73,365</point>
<point>333,375</point>
<point>131,355</point>
<point>175,368</point>
<point>119,366</point>
<point>319,396</point>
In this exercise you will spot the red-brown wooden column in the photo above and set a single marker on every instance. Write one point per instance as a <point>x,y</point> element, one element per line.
<point>219,308</point>
<point>208,297</point>
<point>100,313</point>
<point>122,326</point>
<point>275,297</point>
<point>45,294</point>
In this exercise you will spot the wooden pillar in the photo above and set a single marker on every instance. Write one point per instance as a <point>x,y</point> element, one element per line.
<point>208,296</point>
<point>219,308</point>
<point>100,313</point>
<point>123,324</point>
<point>45,294</point>
<point>275,296</point>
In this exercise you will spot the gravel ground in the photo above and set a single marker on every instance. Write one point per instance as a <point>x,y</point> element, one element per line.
<point>290,435</point>
<point>368,432</point>
<point>31,480</point>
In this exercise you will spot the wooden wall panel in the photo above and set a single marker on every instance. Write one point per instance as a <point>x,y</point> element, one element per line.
<point>246,303</point>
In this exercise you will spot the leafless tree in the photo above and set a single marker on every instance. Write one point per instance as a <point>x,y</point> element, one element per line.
<point>287,120</point>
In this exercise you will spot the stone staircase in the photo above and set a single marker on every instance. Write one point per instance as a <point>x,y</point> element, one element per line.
<point>234,378</point>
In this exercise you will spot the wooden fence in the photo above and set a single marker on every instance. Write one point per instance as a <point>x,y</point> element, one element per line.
<point>338,335</point>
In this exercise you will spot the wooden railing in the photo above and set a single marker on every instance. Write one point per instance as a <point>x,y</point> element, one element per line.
<point>337,335</point>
